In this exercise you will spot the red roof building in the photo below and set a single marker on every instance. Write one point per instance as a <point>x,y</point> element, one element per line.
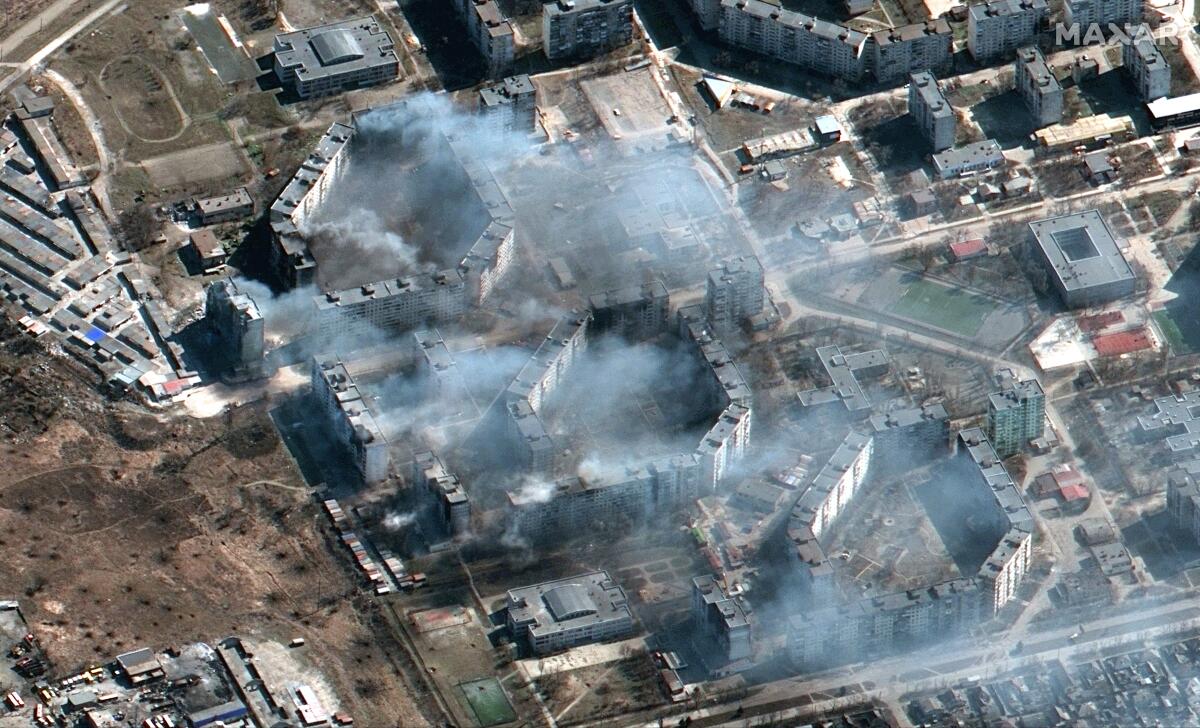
<point>1074,492</point>
<point>1123,342</point>
<point>1095,322</point>
<point>967,249</point>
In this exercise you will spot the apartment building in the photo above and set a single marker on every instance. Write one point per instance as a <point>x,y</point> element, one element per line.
<point>1103,13</point>
<point>490,32</point>
<point>723,619</point>
<point>398,304</point>
<point>898,52</point>
<point>998,28</point>
<point>353,424</point>
<point>635,313</point>
<point>910,436</point>
<point>734,292</point>
<point>1016,415</point>
<point>510,105</point>
<point>1146,66</point>
<point>932,112</point>
<point>1038,87</point>
<point>765,27</point>
<point>585,28</point>
<point>1183,498</point>
<point>235,320</point>
<point>452,506</point>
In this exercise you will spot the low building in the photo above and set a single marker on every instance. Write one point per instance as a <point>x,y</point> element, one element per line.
<point>844,371</point>
<point>223,208</point>
<point>558,615</point>
<point>1178,112</point>
<point>209,252</point>
<point>1038,87</point>
<point>828,129</point>
<point>932,112</point>
<point>1082,258</point>
<point>968,159</point>
<point>333,58</point>
<point>585,28</point>
<point>1098,168</point>
<point>140,666</point>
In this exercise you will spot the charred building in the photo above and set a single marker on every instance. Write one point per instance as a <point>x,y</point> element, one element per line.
<point>635,313</point>
<point>734,292</point>
<point>235,320</point>
<point>451,504</point>
<point>911,436</point>
<point>346,411</point>
<point>723,619</point>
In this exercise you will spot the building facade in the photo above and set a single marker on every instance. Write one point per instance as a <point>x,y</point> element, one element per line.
<point>585,28</point>
<point>722,619</point>
<point>1146,66</point>
<point>817,45</point>
<point>932,112</point>
<point>635,313</point>
<point>337,57</point>
<point>510,105</point>
<point>451,504</point>
<point>1016,415</point>
<point>1038,87</point>
<point>490,32</point>
<point>898,52</point>
<point>998,28</point>
<point>234,318</point>
<point>1085,13</point>
<point>734,292</point>
<point>350,419</point>
<point>397,305</point>
<point>909,437</point>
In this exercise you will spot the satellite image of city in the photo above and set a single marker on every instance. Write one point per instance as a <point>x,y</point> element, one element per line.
<point>599,363</point>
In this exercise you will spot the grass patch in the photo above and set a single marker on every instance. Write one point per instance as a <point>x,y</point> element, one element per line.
<point>1170,330</point>
<point>488,701</point>
<point>951,309</point>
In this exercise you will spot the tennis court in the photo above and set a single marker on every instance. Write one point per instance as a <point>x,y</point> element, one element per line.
<point>488,701</point>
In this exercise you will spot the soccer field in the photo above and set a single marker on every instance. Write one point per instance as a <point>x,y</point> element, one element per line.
<point>488,701</point>
<point>946,308</point>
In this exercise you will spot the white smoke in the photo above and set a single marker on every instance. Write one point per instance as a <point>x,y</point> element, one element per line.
<point>396,521</point>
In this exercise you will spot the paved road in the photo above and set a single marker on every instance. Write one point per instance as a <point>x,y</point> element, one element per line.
<point>57,43</point>
<point>35,25</point>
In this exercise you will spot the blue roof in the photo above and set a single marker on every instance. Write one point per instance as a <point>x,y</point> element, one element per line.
<point>94,334</point>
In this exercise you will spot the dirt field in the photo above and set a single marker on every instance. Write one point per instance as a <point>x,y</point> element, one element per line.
<point>124,529</point>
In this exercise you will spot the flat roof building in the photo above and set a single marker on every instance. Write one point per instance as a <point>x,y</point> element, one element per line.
<point>997,28</point>
<point>969,158</point>
<point>908,49</point>
<point>332,58</point>
<point>1147,67</point>
<point>765,27</point>
<point>585,28</point>
<point>490,32</point>
<point>1038,87</point>
<point>633,312</point>
<point>1084,13</point>
<point>1016,415</point>
<point>734,292</point>
<point>510,105</point>
<point>558,615</point>
<point>1083,259</point>
<point>224,208</point>
<point>844,370</point>
<point>930,109</point>
<point>350,418</point>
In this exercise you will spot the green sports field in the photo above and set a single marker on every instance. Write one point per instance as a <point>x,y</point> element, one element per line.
<point>488,701</point>
<point>952,309</point>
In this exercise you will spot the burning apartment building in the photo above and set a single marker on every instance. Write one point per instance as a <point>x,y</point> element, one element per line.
<point>237,323</point>
<point>350,418</point>
<point>342,172</point>
<point>830,631</point>
<point>451,504</point>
